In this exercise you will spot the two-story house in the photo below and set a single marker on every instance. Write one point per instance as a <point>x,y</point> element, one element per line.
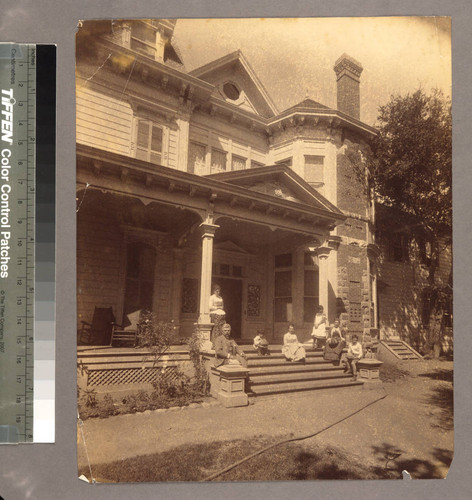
<point>185,179</point>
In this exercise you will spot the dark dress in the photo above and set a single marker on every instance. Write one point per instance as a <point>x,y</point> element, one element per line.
<point>334,346</point>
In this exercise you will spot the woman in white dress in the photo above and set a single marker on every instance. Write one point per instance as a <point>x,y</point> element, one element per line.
<point>217,313</point>
<point>319,328</point>
<point>292,349</point>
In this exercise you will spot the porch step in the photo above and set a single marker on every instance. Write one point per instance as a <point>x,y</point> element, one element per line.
<point>401,349</point>
<point>306,385</point>
<point>282,378</point>
<point>274,375</point>
<point>277,364</point>
<point>288,368</point>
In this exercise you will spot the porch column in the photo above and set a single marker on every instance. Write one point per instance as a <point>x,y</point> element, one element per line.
<point>323,285</point>
<point>207,261</point>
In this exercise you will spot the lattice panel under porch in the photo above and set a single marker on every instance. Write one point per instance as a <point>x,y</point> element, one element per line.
<point>131,376</point>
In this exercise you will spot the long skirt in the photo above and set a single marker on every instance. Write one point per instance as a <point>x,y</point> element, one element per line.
<point>294,352</point>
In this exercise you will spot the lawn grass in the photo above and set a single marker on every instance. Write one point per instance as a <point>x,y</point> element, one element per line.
<point>291,461</point>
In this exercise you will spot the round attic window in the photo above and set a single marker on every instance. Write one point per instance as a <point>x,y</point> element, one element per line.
<point>231,91</point>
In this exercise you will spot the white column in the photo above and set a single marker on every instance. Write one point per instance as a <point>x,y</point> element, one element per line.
<point>207,261</point>
<point>323,285</point>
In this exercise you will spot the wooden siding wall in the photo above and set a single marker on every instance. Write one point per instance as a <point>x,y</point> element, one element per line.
<point>99,262</point>
<point>103,121</point>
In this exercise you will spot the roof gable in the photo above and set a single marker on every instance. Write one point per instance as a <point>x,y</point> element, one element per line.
<point>278,181</point>
<point>248,92</point>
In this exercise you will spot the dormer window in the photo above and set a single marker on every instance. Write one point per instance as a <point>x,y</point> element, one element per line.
<point>143,39</point>
<point>231,91</point>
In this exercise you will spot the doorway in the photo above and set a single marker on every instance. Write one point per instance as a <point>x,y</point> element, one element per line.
<point>232,293</point>
<point>139,289</point>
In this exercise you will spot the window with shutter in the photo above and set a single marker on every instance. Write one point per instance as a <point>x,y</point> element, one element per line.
<point>196,158</point>
<point>238,163</point>
<point>143,39</point>
<point>218,161</point>
<point>149,142</point>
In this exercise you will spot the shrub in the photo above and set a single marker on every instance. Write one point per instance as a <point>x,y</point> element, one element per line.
<point>202,379</point>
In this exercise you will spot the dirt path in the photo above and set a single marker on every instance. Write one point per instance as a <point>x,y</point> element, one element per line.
<point>413,421</point>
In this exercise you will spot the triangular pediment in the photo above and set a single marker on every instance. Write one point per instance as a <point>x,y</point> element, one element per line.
<point>236,83</point>
<point>279,182</point>
<point>228,246</point>
<point>276,188</point>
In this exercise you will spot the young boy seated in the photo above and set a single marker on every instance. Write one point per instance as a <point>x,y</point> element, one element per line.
<point>261,345</point>
<point>354,354</point>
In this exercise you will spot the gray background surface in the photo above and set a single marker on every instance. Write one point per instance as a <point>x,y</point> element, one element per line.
<point>50,471</point>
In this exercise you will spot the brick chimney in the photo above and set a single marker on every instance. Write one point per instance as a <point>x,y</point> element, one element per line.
<point>348,72</point>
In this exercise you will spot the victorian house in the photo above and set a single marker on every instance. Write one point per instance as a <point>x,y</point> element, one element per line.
<point>185,179</point>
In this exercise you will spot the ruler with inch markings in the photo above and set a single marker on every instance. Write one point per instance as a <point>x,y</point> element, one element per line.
<point>17,240</point>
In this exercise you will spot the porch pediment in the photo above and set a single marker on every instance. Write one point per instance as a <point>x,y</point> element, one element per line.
<point>278,181</point>
<point>229,246</point>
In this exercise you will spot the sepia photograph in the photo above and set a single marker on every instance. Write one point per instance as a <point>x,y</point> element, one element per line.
<point>264,249</point>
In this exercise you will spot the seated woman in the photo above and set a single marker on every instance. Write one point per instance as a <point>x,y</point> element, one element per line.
<point>292,349</point>
<point>217,313</point>
<point>335,344</point>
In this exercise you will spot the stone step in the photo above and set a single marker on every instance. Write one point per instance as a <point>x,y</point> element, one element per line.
<point>309,352</point>
<point>306,385</point>
<point>277,355</point>
<point>291,368</point>
<point>277,363</point>
<point>286,378</point>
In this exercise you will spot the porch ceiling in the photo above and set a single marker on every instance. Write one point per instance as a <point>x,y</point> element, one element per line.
<point>258,238</point>
<point>128,211</point>
<point>137,179</point>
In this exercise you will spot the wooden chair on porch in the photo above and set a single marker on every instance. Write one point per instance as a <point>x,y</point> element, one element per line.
<point>126,335</point>
<point>99,331</point>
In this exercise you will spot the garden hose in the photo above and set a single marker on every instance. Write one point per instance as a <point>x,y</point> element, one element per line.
<point>296,438</point>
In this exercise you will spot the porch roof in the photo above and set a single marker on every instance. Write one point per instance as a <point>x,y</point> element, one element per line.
<point>226,194</point>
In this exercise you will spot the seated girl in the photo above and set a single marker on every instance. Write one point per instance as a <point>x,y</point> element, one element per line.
<point>261,344</point>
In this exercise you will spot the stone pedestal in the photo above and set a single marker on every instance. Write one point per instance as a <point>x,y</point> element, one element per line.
<point>368,371</point>
<point>204,333</point>
<point>227,385</point>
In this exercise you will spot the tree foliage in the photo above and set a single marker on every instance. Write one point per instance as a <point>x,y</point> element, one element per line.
<point>409,169</point>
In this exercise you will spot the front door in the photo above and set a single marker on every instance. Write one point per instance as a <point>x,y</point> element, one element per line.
<point>232,293</point>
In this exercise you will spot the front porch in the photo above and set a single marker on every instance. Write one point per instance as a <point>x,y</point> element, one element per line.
<point>157,239</point>
<point>120,371</point>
